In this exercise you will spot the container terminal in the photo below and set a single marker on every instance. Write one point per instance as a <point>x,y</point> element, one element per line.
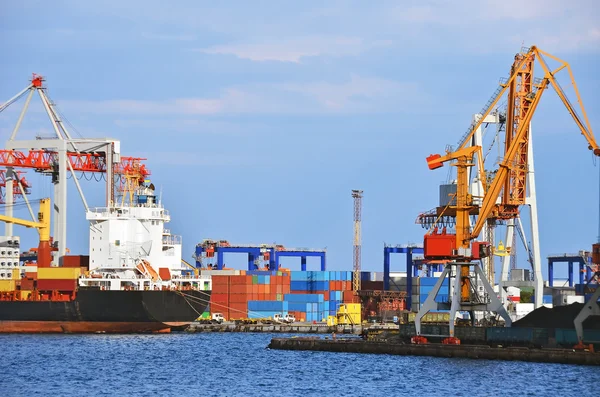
<point>446,294</point>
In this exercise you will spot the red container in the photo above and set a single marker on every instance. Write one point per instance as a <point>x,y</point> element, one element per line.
<point>238,298</point>
<point>238,310</point>
<point>76,261</point>
<point>220,280</point>
<point>31,275</point>
<point>59,285</point>
<point>349,297</point>
<point>238,280</point>
<point>219,298</point>
<point>238,289</point>
<point>27,284</point>
<point>71,261</point>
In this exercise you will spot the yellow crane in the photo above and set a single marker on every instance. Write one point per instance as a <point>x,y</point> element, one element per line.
<point>459,249</point>
<point>43,226</point>
<point>508,177</point>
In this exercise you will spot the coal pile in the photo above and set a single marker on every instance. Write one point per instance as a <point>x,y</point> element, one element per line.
<point>557,317</point>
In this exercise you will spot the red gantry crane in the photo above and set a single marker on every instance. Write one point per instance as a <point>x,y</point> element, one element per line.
<point>62,155</point>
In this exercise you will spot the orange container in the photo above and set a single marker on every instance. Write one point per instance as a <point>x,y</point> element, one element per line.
<point>219,298</point>
<point>267,289</point>
<point>238,289</point>
<point>238,298</point>
<point>238,310</point>
<point>27,284</point>
<point>220,280</point>
<point>31,275</point>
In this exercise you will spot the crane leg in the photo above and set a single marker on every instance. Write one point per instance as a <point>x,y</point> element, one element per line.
<point>430,303</point>
<point>590,308</point>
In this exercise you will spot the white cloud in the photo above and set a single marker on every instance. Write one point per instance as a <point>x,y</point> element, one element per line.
<point>295,48</point>
<point>357,94</point>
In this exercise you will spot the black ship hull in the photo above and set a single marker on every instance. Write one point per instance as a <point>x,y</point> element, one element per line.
<point>96,310</point>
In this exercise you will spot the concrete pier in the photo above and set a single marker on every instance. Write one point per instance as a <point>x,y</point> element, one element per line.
<point>275,328</point>
<point>562,356</point>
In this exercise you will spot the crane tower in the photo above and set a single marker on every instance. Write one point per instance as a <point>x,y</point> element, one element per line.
<point>357,195</point>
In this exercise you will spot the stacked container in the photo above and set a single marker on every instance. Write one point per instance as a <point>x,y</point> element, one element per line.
<point>63,279</point>
<point>307,295</point>
<point>426,286</point>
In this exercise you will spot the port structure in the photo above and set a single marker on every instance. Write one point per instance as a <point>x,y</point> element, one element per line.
<point>504,190</point>
<point>590,308</point>
<point>357,195</point>
<point>58,157</point>
<point>507,253</point>
<point>582,259</point>
<point>12,176</point>
<point>411,268</point>
<point>260,257</point>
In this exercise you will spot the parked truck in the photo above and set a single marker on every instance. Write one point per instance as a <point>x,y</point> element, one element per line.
<point>284,318</point>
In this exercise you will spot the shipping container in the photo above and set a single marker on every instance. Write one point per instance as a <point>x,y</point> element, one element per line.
<point>7,285</point>
<point>56,284</point>
<point>27,284</point>
<point>76,261</point>
<point>58,273</point>
<point>275,306</point>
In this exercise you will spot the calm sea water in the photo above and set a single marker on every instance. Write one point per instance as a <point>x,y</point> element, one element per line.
<point>240,365</point>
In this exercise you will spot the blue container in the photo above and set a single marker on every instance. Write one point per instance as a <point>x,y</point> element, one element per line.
<point>297,306</point>
<point>321,285</point>
<point>307,298</point>
<point>298,276</point>
<point>298,285</point>
<point>430,281</point>
<point>262,314</point>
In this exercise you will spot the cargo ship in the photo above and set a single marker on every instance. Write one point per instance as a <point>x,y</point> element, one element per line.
<point>134,279</point>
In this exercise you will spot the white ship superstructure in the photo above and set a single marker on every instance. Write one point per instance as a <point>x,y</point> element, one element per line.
<point>131,249</point>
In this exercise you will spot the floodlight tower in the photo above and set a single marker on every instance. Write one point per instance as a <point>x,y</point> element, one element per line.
<point>357,195</point>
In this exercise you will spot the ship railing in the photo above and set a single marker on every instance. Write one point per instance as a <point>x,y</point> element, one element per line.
<point>171,239</point>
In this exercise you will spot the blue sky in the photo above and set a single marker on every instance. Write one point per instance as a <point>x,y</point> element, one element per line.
<point>258,118</point>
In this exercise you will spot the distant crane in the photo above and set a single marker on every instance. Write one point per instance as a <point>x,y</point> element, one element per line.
<point>357,196</point>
